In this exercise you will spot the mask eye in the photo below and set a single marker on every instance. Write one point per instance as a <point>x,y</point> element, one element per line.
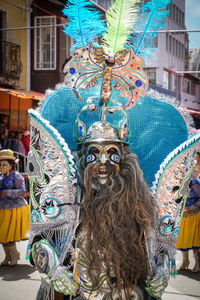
<point>94,150</point>
<point>115,158</point>
<point>90,158</point>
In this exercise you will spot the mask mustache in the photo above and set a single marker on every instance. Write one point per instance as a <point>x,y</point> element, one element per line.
<point>93,171</point>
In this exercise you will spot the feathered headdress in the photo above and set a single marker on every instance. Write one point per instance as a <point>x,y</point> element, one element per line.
<point>85,23</point>
<point>114,64</point>
<point>150,19</point>
<point>120,19</point>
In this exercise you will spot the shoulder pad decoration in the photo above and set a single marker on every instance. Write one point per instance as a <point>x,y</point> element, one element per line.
<point>54,206</point>
<point>171,188</point>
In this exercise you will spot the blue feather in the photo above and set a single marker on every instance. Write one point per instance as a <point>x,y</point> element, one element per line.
<point>85,22</point>
<point>150,19</point>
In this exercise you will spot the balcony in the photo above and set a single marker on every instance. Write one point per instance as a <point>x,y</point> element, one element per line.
<point>11,66</point>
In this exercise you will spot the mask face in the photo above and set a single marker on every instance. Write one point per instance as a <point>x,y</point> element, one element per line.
<point>5,167</point>
<point>104,154</point>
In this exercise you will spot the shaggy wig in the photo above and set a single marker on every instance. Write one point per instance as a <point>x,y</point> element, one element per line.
<point>114,218</point>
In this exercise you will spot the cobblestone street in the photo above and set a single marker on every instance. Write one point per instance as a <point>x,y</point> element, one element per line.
<point>22,281</point>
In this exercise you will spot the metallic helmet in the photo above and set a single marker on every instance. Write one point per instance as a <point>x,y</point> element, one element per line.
<point>102,132</point>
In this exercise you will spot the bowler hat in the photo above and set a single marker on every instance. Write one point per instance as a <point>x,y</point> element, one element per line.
<point>7,154</point>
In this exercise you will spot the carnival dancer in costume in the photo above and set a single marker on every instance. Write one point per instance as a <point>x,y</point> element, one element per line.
<point>103,225</point>
<point>14,210</point>
<point>189,235</point>
<point>117,208</point>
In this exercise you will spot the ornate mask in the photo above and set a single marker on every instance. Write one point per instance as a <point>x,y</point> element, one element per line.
<point>104,154</point>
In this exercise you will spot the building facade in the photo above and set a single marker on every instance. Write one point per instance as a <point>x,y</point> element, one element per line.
<point>190,93</point>
<point>15,64</point>
<point>170,69</point>
<point>172,50</point>
<point>32,57</point>
<point>13,43</point>
<point>49,45</point>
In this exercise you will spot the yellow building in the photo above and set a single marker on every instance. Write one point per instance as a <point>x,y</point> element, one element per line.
<point>13,43</point>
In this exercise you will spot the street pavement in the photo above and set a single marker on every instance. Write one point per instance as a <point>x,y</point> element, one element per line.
<point>22,281</point>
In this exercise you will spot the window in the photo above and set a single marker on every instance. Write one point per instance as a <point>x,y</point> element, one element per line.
<point>170,43</point>
<point>68,45</point>
<point>3,38</point>
<point>64,46</point>
<point>155,42</point>
<point>180,49</point>
<point>186,43</point>
<point>176,16</point>
<point>151,74</point>
<point>166,80</point>
<point>170,10</point>
<point>188,86</point>
<point>169,81</point>
<point>183,52</point>
<point>173,82</point>
<point>177,45</point>
<point>192,88</point>
<point>45,43</point>
<point>167,41</point>
<point>182,19</point>
<point>173,12</point>
<point>174,46</point>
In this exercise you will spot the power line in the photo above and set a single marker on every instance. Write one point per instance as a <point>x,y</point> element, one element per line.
<point>29,27</point>
<point>58,25</point>
<point>187,72</point>
<point>179,30</point>
<point>48,12</point>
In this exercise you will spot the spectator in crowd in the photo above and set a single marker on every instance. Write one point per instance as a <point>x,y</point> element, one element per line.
<point>26,141</point>
<point>14,141</point>
<point>2,135</point>
<point>14,210</point>
<point>189,235</point>
<point>4,120</point>
<point>21,148</point>
<point>7,142</point>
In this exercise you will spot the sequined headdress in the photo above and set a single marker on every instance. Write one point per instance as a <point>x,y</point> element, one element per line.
<point>115,65</point>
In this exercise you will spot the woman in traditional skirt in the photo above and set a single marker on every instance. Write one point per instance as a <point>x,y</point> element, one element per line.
<point>189,235</point>
<point>14,210</point>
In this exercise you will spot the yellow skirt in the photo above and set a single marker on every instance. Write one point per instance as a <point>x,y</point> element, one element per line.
<point>189,234</point>
<point>14,224</point>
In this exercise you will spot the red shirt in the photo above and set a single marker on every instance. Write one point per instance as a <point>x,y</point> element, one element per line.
<point>26,141</point>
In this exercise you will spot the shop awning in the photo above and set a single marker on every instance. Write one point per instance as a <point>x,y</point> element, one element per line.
<point>15,104</point>
<point>23,94</point>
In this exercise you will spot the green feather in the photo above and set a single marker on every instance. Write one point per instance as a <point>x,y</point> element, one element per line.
<point>120,18</point>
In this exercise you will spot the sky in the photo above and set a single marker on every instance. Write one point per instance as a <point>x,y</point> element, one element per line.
<point>192,21</point>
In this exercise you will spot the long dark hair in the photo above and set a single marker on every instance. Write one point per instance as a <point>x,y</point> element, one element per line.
<point>12,164</point>
<point>114,218</point>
